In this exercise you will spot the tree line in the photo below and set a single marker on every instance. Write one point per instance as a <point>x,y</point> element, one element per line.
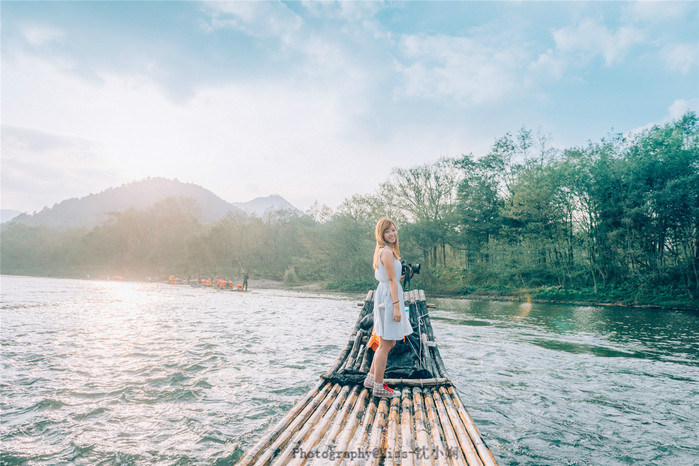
<point>613,220</point>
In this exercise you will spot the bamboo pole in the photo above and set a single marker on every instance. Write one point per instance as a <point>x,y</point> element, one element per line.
<point>375,440</point>
<point>271,450</point>
<point>467,447</point>
<point>428,360</point>
<point>407,446</point>
<point>366,360</point>
<point>249,457</point>
<point>483,450</point>
<point>349,362</point>
<point>341,358</point>
<point>435,431</point>
<point>419,382</point>
<point>350,427</point>
<point>319,430</point>
<point>391,438</point>
<point>340,418</point>
<point>422,438</point>
<point>356,366</point>
<point>453,452</point>
<point>430,335</point>
<point>359,441</point>
<point>285,456</point>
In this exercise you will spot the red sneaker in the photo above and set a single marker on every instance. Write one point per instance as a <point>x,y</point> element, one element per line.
<point>383,390</point>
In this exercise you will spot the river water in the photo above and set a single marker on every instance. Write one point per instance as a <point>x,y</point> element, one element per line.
<point>97,372</point>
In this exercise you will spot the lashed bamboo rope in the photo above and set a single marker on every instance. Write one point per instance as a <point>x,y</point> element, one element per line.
<point>435,430</point>
<point>285,456</point>
<point>319,430</point>
<point>359,441</point>
<point>453,452</point>
<point>407,445</point>
<point>461,434</point>
<point>351,426</point>
<point>483,450</point>
<point>377,428</point>
<point>249,457</point>
<point>280,441</point>
<point>422,436</point>
<point>391,442</point>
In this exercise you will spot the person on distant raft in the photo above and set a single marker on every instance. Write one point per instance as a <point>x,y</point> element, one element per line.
<point>245,280</point>
<point>390,322</point>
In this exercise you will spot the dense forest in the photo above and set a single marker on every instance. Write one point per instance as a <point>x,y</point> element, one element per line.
<point>613,221</point>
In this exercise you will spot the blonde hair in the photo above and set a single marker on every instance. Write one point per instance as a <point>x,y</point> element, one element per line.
<point>381,226</point>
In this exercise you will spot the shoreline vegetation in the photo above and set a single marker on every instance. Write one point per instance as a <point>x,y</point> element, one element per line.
<point>615,222</point>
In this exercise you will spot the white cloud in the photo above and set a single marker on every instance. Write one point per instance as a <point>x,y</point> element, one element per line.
<point>590,39</point>
<point>459,68</point>
<point>549,65</point>
<point>654,10</point>
<point>240,140</point>
<point>680,106</point>
<point>49,164</point>
<point>39,35</point>
<point>681,57</point>
<point>259,19</point>
<point>675,111</point>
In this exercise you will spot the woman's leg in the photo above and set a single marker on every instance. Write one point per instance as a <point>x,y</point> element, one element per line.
<point>380,358</point>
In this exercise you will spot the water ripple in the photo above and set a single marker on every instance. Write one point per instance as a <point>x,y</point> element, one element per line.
<point>124,373</point>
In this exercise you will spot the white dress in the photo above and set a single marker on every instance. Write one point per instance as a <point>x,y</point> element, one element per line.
<point>384,325</point>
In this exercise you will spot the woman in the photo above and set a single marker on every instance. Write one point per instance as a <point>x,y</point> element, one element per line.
<point>390,322</point>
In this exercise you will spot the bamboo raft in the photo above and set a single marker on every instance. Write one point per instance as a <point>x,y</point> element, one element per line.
<point>339,422</point>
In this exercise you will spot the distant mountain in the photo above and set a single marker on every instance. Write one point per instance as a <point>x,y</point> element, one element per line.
<point>94,209</point>
<point>6,215</point>
<point>264,205</point>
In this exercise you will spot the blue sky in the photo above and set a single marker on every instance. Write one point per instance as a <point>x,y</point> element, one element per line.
<point>317,101</point>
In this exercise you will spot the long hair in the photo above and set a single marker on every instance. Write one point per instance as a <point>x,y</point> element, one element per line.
<point>382,225</point>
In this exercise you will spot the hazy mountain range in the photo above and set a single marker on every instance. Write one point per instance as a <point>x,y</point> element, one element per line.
<point>94,209</point>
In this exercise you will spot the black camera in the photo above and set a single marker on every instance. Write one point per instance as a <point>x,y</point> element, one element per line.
<point>407,271</point>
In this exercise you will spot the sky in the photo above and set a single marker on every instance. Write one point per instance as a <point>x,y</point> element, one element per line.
<point>318,101</point>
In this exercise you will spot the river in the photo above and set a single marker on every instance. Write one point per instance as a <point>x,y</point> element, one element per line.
<point>99,372</point>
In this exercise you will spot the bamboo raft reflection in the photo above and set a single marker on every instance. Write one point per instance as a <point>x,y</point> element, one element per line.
<point>340,422</point>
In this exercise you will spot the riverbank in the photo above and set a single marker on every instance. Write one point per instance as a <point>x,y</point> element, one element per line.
<point>625,297</point>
